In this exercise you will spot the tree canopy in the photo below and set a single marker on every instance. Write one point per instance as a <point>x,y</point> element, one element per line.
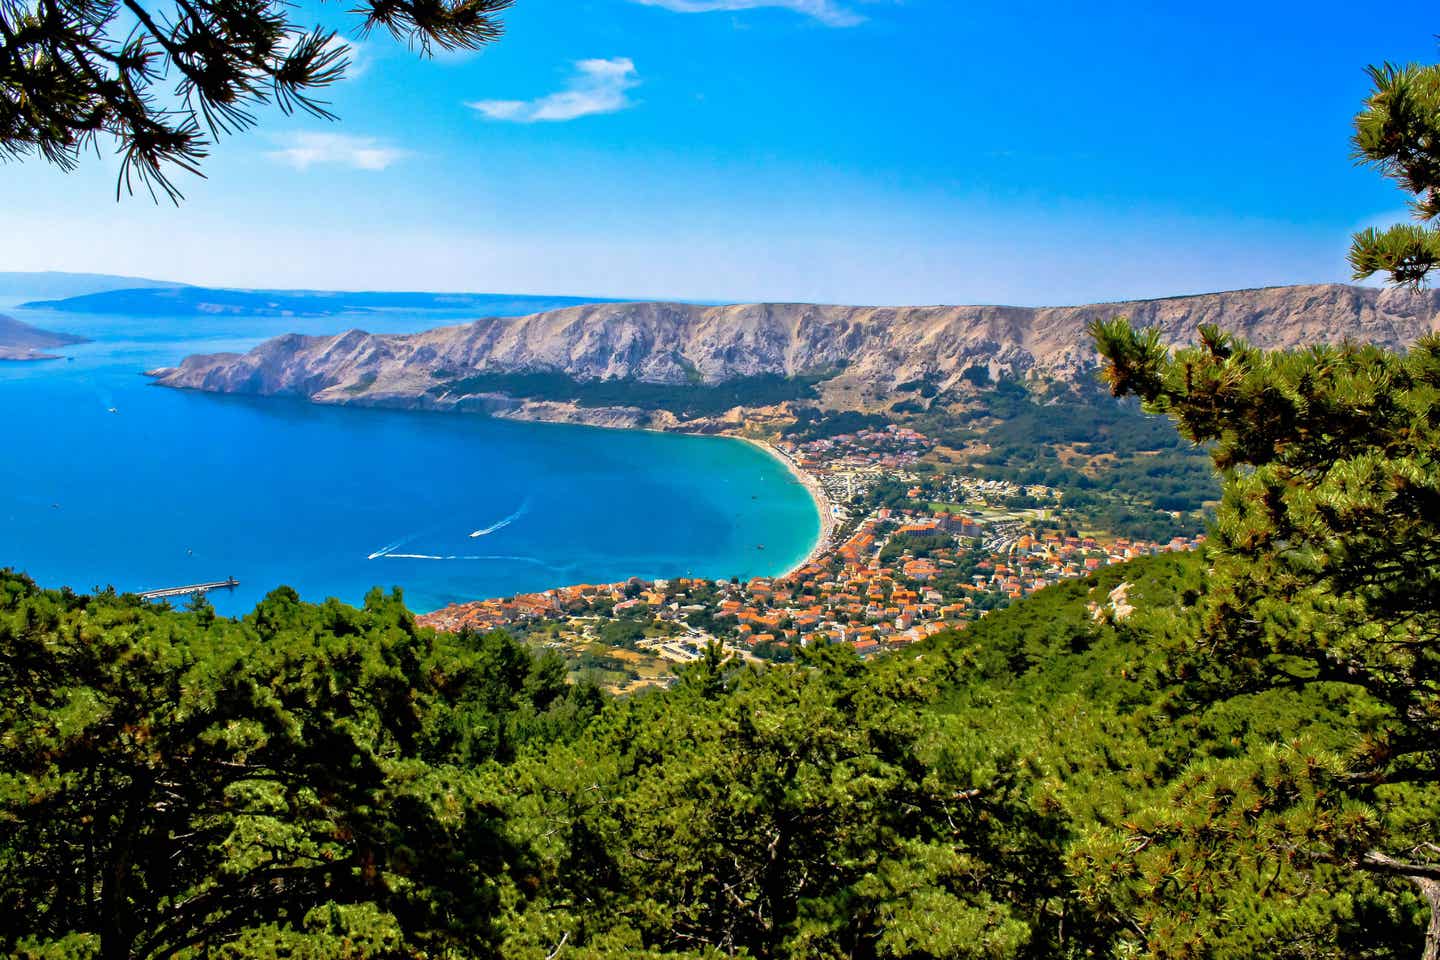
<point>1324,570</point>
<point>283,785</point>
<point>163,80</point>
<point>1398,132</point>
<point>320,781</point>
<point>1323,576</point>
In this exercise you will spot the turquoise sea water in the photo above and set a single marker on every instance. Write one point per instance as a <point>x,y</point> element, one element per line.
<point>177,487</point>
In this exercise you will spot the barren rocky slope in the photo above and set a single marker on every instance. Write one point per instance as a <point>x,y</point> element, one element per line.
<point>875,348</point>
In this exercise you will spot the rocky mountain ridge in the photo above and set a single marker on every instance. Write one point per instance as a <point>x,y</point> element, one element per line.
<point>859,349</point>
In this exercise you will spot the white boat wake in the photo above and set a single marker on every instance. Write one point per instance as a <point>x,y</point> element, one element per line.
<point>384,551</point>
<point>502,524</point>
<point>390,550</point>
<point>500,558</point>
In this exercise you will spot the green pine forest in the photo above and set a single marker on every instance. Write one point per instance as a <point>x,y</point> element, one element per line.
<point>1228,754</point>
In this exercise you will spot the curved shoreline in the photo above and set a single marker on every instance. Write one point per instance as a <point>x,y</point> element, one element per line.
<point>491,612</point>
<point>823,506</point>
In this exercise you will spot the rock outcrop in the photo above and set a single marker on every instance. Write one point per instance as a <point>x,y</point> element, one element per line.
<point>872,348</point>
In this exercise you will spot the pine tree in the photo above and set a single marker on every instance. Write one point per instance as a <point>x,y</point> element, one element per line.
<point>78,73</point>
<point>1325,569</point>
<point>1399,133</point>
<point>300,783</point>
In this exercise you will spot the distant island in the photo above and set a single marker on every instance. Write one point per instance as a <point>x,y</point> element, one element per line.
<point>56,283</point>
<point>176,300</point>
<point>21,341</point>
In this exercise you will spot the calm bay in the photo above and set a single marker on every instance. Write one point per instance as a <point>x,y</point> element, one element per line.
<point>109,480</point>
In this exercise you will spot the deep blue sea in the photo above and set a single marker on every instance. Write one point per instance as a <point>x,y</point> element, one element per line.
<point>177,487</point>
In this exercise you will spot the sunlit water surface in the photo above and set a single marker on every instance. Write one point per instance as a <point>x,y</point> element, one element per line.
<point>175,487</point>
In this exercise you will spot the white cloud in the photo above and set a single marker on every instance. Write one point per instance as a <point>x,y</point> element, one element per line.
<point>599,86</point>
<point>357,53</point>
<point>826,11</point>
<point>305,150</point>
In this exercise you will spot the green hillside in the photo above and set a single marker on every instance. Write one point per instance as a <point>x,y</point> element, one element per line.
<point>326,781</point>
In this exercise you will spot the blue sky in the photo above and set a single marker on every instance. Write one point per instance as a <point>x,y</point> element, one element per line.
<point>858,151</point>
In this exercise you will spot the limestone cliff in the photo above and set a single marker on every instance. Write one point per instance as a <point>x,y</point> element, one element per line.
<point>870,348</point>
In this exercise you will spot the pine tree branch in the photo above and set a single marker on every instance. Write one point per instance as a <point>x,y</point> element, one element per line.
<point>1377,862</point>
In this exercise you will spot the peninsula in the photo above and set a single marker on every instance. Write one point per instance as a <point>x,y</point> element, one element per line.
<point>21,341</point>
<point>674,366</point>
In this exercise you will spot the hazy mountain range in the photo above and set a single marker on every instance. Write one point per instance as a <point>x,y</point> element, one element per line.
<point>57,284</point>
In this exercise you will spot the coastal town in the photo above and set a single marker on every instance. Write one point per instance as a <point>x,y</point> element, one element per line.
<point>882,575</point>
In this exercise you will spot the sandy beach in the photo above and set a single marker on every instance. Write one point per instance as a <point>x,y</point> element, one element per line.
<point>817,493</point>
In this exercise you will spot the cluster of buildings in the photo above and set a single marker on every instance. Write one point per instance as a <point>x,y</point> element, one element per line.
<point>872,591</point>
<point>550,605</point>
<point>958,488</point>
<point>874,598</point>
<point>891,447</point>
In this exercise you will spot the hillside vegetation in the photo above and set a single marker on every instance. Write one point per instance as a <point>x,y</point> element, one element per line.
<point>323,781</point>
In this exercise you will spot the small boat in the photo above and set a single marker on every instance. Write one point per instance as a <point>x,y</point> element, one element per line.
<point>112,410</point>
<point>759,546</point>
